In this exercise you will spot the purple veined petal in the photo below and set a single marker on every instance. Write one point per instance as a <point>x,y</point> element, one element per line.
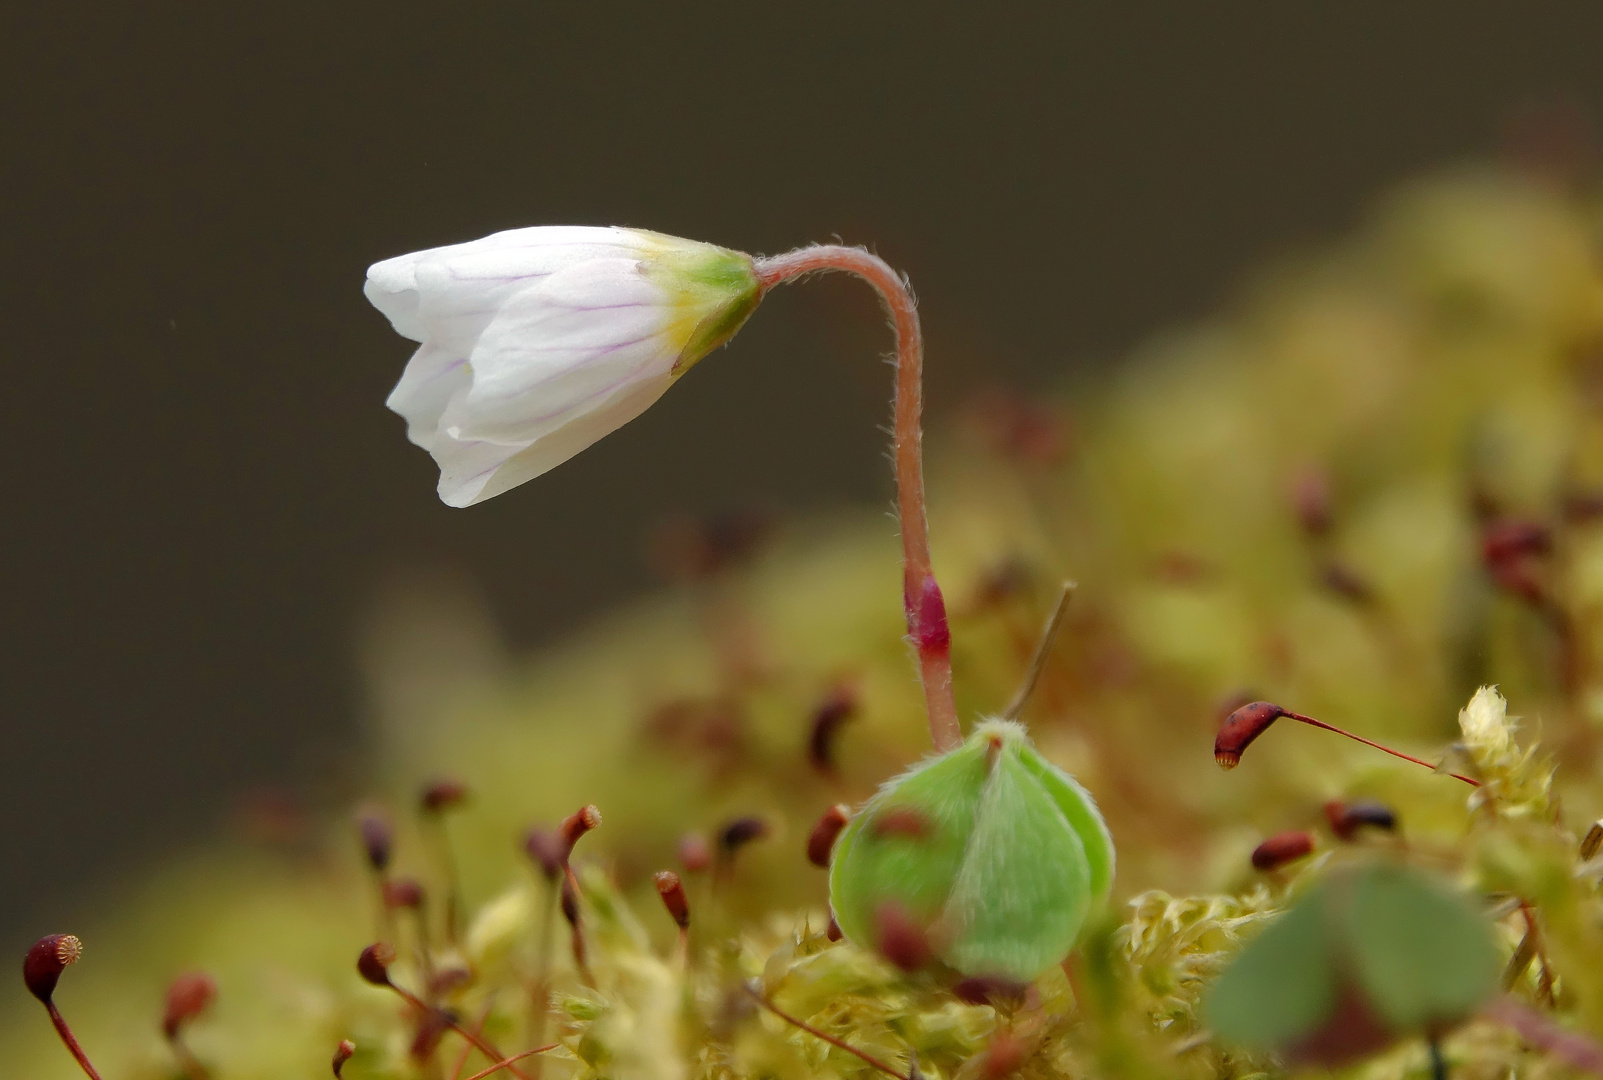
<point>449,294</point>
<point>565,401</point>
<point>585,331</point>
<point>537,342</point>
<point>467,465</point>
<point>432,377</point>
<point>471,472</point>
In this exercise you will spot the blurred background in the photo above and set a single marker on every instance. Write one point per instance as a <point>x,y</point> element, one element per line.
<point>206,497</point>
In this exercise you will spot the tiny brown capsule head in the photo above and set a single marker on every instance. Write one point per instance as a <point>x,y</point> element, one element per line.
<point>1583,506</point>
<point>342,1054</point>
<point>577,824</point>
<point>685,548</point>
<point>833,931</point>
<point>403,893</point>
<point>991,990</point>
<point>548,851</point>
<point>378,839</point>
<point>1007,579</point>
<point>1027,433</point>
<point>1240,728</point>
<point>1311,501</point>
<point>442,795</point>
<point>822,839</point>
<point>1282,848</point>
<point>672,891</point>
<point>374,963</point>
<point>828,718</point>
<point>901,940</point>
<point>187,997</point>
<point>1346,818</point>
<point>49,957</point>
<point>740,832</point>
<point>694,853</point>
<point>1512,538</point>
<point>1346,583</point>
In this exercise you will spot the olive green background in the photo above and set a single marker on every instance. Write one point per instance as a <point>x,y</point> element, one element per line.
<point>204,492</point>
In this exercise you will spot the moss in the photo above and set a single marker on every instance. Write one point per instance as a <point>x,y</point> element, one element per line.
<point>1438,369</point>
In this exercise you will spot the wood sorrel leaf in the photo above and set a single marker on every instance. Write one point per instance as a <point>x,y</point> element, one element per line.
<point>1282,985</point>
<point>1408,952</point>
<point>993,849</point>
<point>1421,955</point>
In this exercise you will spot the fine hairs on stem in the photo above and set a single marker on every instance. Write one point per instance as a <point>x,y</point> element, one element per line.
<point>927,627</point>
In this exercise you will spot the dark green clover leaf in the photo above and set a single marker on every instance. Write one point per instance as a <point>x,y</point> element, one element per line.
<point>1368,955</point>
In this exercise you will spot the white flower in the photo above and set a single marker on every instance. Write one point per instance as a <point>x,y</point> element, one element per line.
<point>537,342</point>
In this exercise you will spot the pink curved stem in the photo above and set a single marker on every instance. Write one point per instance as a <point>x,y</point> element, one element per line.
<point>925,608</point>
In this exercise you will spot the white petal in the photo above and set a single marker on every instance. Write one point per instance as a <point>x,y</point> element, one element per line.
<point>391,287</point>
<point>475,471</point>
<point>563,348</point>
<point>447,295</point>
<point>577,317</point>
<point>466,466</point>
<point>432,377</point>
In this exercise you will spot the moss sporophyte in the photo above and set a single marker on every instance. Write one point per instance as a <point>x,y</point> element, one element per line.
<point>1433,527</point>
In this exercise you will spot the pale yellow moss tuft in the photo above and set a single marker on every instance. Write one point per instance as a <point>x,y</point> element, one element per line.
<point>1514,782</point>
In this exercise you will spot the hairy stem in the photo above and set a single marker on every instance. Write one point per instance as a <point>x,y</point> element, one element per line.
<point>921,596</point>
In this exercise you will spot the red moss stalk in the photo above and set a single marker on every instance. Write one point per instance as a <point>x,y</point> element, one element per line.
<point>41,969</point>
<point>830,1039</point>
<point>1244,725</point>
<point>506,1063</point>
<point>374,967</point>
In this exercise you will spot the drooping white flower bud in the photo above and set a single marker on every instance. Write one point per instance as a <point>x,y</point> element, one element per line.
<point>537,342</point>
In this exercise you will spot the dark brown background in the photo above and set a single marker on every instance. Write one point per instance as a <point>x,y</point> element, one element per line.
<point>203,489</point>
